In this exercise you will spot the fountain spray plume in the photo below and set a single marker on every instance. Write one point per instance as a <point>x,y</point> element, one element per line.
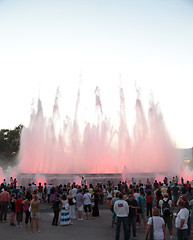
<point>101,148</point>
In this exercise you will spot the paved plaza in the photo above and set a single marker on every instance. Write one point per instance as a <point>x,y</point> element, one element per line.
<point>95,229</point>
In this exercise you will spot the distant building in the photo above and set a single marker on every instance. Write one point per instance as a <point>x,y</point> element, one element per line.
<point>187,156</point>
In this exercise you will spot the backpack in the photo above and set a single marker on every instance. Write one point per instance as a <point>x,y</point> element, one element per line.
<point>166,208</point>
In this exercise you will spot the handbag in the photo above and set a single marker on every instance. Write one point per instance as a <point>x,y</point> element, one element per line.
<point>150,235</point>
<point>26,207</point>
<point>30,206</point>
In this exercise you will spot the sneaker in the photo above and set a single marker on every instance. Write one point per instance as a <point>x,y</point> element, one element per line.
<point>4,221</point>
<point>38,231</point>
<point>81,219</point>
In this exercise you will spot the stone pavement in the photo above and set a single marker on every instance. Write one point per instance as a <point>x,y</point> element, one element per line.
<point>95,229</point>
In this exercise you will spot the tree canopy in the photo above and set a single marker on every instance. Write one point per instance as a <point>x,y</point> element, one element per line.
<point>10,141</point>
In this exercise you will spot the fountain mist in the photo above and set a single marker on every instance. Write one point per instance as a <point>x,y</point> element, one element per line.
<point>99,148</point>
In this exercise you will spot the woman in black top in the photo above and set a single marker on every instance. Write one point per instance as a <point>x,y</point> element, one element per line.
<point>12,202</point>
<point>95,212</point>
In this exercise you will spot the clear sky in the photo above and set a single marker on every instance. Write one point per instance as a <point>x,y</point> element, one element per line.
<point>45,44</point>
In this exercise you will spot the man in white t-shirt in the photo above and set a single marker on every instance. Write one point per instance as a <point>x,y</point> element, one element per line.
<point>74,192</point>
<point>121,209</point>
<point>182,220</point>
<point>87,203</point>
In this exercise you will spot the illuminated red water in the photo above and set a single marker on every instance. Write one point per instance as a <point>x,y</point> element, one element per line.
<point>100,148</point>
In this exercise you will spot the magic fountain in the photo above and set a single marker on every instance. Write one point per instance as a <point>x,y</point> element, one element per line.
<point>100,148</point>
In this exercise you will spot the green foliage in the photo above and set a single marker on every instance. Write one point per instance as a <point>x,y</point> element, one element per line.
<point>10,141</point>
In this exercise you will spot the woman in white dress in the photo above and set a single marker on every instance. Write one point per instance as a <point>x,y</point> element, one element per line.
<point>65,215</point>
<point>158,226</point>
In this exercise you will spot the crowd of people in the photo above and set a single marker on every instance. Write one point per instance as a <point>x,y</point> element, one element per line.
<point>153,206</point>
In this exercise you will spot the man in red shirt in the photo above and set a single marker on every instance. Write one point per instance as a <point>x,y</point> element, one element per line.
<point>19,210</point>
<point>40,190</point>
<point>4,202</point>
<point>188,185</point>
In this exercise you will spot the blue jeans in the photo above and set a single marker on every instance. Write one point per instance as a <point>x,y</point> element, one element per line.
<point>182,234</point>
<point>132,220</point>
<point>123,220</point>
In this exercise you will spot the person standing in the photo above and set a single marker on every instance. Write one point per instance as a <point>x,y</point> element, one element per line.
<point>12,203</point>
<point>19,210</point>
<point>15,182</point>
<point>79,204</point>
<point>35,214</point>
<point>132,214</point>
<point>181,222</point>
<point>87,203</point>
<point>44,194</point>
<point>40,190</point>
<point>95,212</point>
<point>4,202</point>
<point>165,205</point>
<point>109,197</point>
<point>158,225</point>
<point>71,202</point>
<point>65,215</point>
<point>175,191</point>
<point>149,202</point>
<point>49,187</point>
<point>142,206</point>
<point>121,209</point>
<point>83,181</point>
<point>56,208</point>
<point>115,198</point>
<point>26,204</point>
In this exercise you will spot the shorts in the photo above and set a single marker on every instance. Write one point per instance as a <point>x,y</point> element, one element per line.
<point>19,216</point>
<point>80,208</point>
<point>87,207</point>
<point>168,222</point>
<point>35,215</point>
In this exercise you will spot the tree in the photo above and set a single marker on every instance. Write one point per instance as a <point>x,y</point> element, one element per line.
<point>10,141</point>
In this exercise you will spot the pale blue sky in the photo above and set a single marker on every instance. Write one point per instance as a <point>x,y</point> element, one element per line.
<point>46,44</point>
